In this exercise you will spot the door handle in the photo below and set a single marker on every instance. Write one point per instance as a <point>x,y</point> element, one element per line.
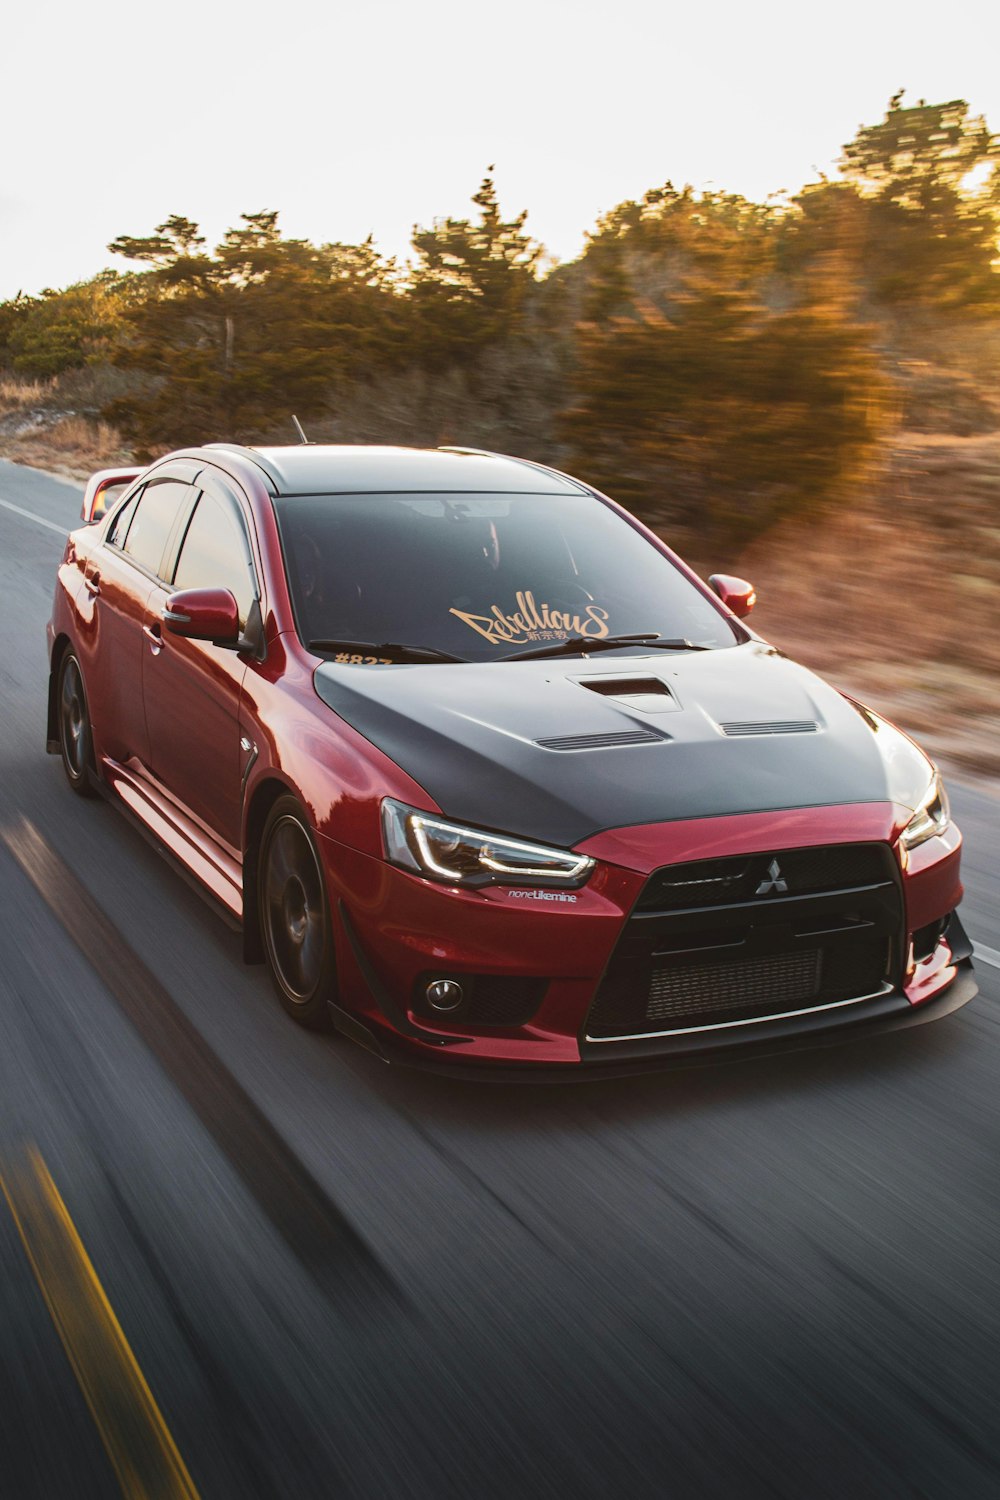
<point>154,636</point>
<point>92,584</point>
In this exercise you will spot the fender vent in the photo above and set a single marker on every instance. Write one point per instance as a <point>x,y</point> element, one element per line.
<point>602,741</point>
<point>778,726</point>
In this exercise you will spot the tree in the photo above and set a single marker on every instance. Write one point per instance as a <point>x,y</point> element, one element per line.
<point>232,342</point>
<point>172,244</point>
<point>64,330</point>
<point>472,281</point>
<point>917,153</point>
<point>712,396</point>
<point>928,237</point>
<point>13,314</point>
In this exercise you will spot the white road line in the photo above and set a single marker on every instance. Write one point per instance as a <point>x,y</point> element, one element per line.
<point>29,515</point>
<point>987,956</point>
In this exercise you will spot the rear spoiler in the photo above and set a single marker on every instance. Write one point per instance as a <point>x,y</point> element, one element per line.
<point>103,489</point>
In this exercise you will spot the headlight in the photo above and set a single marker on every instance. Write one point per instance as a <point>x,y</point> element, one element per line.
<point>451,852</point>
<point>932,816</point>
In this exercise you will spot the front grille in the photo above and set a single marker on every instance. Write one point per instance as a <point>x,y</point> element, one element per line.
<point>703,949</point>
<point>784,980</point>
<point>504,1000</point>
<point>710,881</point>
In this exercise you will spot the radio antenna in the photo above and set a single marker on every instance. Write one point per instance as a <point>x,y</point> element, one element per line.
<point>298,429</point>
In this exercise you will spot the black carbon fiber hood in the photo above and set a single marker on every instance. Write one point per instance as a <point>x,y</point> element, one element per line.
<point>470,733</point>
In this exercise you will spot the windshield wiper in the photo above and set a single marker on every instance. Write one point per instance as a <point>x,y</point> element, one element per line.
<point>587,643</point>
<point>385,648</point>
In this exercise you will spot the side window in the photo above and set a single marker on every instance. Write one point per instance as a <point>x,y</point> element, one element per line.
<point>119,526</point>
<point>215,555</point>
<point>153,520</point>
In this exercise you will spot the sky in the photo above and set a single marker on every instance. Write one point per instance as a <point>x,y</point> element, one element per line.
<point>353,120</point>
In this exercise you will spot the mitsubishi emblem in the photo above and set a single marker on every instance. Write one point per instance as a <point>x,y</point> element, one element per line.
<point>773,880</point>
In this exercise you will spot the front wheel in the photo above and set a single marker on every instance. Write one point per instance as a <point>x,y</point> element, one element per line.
<point>295,916</point>
<point>76,744</point>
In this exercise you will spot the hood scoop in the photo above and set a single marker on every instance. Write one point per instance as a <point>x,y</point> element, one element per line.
<point>743,727</point>
<point>602,741</point>
<point>645,695</point>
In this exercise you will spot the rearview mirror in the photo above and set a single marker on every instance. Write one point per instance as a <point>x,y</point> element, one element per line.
<point>204,615</point>
<point>735,593</point>
<point>103,489</point>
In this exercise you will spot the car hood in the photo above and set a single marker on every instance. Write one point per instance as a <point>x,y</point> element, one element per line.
<point>560,750</point>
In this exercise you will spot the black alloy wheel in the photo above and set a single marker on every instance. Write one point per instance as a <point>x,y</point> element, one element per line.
<point>295,916</point>
<point>76,744</point>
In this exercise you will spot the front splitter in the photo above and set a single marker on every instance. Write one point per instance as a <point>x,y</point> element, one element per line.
<point>606,1060</point>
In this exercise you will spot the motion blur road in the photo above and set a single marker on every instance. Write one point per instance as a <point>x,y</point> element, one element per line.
<point>774,1278</point>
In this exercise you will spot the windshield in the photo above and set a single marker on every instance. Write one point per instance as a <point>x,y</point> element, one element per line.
<point>480,576</point>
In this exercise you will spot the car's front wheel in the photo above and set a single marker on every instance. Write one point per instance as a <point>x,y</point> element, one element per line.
<point>76,745</point>
<point>295,916</point>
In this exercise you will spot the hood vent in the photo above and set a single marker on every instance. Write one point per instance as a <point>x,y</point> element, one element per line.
<point>778,726</point>
<point>602,741</point>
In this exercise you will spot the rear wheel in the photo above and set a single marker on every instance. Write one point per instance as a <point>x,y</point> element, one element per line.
<point>295,916</point>
<point>76,744</point>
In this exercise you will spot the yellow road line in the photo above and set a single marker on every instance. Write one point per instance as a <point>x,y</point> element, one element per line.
<point>130,1423</point>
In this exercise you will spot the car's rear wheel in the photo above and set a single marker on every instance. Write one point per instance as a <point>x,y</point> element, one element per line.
<point>295,916</point>
<point>76,744</point>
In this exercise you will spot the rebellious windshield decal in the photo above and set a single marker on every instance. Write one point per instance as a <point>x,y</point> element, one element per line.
<point>534,622</point>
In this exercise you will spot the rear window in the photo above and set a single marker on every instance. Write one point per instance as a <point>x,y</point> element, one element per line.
<point>153,521</point>
<point>118,528</point>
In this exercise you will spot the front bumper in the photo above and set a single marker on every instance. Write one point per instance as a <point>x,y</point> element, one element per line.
<point>892,1013</point>
<point>394,930</point>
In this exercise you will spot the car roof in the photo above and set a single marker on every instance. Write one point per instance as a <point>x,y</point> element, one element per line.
<point>329,469</point>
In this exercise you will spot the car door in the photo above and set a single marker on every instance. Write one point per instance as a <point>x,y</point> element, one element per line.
<point>192,688</point>
<point>119,579</point>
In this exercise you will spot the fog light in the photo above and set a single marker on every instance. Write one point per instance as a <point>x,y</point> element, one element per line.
<point>444,994</point>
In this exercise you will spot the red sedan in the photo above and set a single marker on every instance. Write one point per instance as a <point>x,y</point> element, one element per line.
<point>485,772</point>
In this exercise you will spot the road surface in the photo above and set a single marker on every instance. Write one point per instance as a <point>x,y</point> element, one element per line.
<point>240,1260</point>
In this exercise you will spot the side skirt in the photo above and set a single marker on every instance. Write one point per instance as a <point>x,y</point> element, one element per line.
<point>206,867</point>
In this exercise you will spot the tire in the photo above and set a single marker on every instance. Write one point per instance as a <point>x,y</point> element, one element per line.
<point>76,743</point>
<point>295,916</point>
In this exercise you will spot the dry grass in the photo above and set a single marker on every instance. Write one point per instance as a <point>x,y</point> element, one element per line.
<point>37,428</point>
<point>16,395</point>
<point>73,446</point>
<point>898,602</point>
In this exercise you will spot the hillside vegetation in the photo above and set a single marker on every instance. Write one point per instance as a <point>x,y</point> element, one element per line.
<point>807,388</point>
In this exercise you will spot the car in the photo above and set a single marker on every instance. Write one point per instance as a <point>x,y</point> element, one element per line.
<point>489,778</point>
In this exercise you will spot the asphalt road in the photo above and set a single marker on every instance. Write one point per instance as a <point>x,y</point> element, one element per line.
<point>776,1278</point>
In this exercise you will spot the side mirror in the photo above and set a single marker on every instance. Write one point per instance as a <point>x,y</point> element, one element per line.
<point>103,489</point>
<point>204,615</point>
<point>735,593</point>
